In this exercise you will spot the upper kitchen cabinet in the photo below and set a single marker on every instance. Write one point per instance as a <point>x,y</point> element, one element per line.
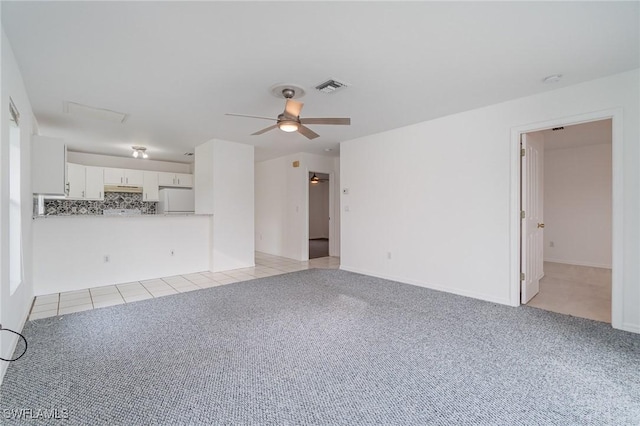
<point>123,177</point>
<point>76,181</point>
<point>48,165</point>
<point>150,190</point>
<point>181,180</point>
<point>85,182</point>
<point>94,184</point>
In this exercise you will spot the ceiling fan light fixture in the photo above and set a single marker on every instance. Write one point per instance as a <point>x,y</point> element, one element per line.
<point>288,126</point>
<point>314,179</point>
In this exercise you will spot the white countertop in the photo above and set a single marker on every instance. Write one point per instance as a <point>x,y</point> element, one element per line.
<point>84,216</point>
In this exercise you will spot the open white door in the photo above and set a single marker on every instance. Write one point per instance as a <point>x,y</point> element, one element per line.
<point>532,237</point>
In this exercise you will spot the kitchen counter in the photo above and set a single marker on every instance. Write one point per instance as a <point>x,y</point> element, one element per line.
<point>84,216</point>
<point>80,251</point>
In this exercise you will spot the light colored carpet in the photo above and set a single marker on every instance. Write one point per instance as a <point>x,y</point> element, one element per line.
<point>326,347</point>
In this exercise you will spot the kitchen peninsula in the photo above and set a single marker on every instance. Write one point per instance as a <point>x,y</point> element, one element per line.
<point>100,220</point>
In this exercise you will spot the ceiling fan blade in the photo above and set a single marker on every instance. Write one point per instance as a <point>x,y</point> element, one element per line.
<point>340,121</point>
<point>265,130</point>
<point>293,108</point>
<point>307,132</point>
<point>251,116</point>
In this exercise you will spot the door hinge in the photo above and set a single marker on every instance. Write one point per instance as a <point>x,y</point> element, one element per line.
<point>522,215</point>
<point>522,151</point>
<point>521,276</point>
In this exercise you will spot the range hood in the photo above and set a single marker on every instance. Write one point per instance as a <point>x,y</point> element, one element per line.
<point>122,188</point>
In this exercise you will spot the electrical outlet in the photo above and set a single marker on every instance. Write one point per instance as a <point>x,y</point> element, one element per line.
<point>106,258</point>
<point>345,191</point>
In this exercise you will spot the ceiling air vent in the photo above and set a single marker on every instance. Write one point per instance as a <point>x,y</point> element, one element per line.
<point>555,129</point>
<point>331,86</point>
<point>188,154</point>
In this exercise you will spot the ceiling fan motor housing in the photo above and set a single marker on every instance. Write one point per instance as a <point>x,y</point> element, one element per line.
<point>288,93</point>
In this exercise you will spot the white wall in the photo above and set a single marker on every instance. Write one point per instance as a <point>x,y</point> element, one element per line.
<point>69,251</point>
<point>100,160</point>
<point>440,198</point>
<point>319,210</point>
<point>224,185</point>
<point>282,206</point>
<point>14,308</point>
<point>577,205</point>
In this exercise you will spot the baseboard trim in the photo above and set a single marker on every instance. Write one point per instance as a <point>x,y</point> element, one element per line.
<point>632,328</point>
<point>418,283</point>
<point>4,365</point>
<point>571,262</point>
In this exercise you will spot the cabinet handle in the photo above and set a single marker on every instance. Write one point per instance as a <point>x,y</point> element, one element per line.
<point>121,180</point>
<point>99,194</point>
<point>146,196</point>
<point>82,194</point>
<point>68,185</point>
<point>127,179</point>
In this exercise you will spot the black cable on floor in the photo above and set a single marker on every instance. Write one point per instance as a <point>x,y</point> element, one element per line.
<point>25,345</point>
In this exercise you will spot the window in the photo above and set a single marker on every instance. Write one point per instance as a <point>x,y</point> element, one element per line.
<point>15,224</point>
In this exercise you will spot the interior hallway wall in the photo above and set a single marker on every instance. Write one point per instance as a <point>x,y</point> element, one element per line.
<point>282,206</point>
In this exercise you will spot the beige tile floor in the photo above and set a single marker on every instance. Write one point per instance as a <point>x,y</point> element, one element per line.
<point>580,291</point>
<point>117,294</point>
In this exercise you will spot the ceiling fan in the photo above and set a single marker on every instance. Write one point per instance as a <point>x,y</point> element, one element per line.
<point>315,179</point>
<point>290,121</point>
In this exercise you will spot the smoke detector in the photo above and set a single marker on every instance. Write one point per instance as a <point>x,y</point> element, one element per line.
<point>331,86</point>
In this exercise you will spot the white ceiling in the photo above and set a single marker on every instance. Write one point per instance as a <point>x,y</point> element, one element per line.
<point>592,133</point>
<point>176,67</point>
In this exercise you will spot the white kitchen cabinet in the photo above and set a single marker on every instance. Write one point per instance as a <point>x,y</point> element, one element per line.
<point>85,182</point>
<point>125,177</point>
<point>94,183</point>
<point>76,181</point>
<point>150,187</point>
<point>48,166</point>
<point>134,177</point>
<point>182,180</point>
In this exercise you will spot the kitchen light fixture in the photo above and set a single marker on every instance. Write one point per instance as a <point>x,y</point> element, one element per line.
<point>314,179</point>
<point>288,126</point>
<point>140,151</point>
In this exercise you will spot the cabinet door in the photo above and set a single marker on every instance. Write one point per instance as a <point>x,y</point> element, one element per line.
<point>133,177</point>
<point>113,176</point>
<point>48,165</point>
<point>75,180</point>
<point>184,180</point>
<point>150,187</point>
<point>166,179</point>
<point>94,186</point>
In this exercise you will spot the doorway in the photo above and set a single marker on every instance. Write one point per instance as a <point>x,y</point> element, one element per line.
<point>567,216</point>
<point>319,217</point>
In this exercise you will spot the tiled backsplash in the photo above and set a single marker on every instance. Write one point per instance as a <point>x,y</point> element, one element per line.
<point>112,200</point>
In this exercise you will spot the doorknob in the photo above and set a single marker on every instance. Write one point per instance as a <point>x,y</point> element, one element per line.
<point>541,225</point>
